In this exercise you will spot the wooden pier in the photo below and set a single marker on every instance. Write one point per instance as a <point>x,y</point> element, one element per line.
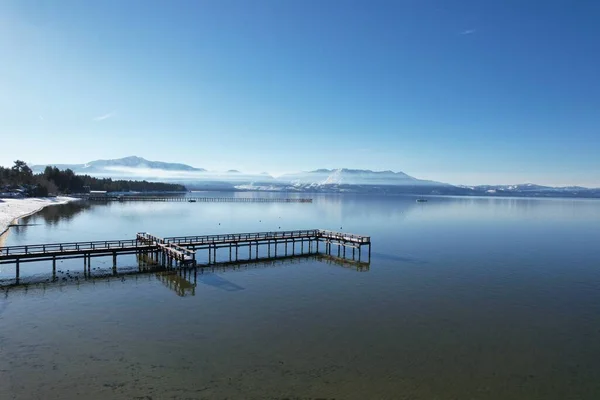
<point>195,251</point>
<point>181,199</point>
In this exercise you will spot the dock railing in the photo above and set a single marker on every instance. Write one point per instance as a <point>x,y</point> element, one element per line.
<point>348,237</point>
<point>66,247</point>
<point>242,237</point>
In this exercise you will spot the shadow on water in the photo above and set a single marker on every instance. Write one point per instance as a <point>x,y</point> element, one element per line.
<point>391,257</point>
<point>184,281</point>
<point>219,282</point>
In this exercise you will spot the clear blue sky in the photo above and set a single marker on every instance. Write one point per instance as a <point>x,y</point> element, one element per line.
<point>469,92</point>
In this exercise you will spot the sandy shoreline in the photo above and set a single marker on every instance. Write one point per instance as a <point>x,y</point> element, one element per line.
<point>13,209</point>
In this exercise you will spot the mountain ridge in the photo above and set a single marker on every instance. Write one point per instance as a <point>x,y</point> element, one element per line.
<point>320,180</point>
<point>125,162</point>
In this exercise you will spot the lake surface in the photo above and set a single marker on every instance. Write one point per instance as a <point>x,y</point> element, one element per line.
<point>464,298</point>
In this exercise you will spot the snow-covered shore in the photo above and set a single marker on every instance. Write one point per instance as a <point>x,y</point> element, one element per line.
<point>12,209</point>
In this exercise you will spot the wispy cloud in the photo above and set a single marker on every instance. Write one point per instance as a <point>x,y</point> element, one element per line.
<point>468,31</point>
<point>105,116</point>
<point>41,118</point>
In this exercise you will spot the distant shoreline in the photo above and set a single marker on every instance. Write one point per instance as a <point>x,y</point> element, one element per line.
<point>592,193</point>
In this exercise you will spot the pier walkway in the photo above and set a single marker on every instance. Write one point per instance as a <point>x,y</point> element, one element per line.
<point>180,251</point>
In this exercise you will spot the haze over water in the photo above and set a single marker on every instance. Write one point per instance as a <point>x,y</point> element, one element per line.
<point>465,298</point>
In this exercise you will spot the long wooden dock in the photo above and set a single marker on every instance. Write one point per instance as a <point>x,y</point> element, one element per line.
<point>181,251</point>
<point>190,199</point>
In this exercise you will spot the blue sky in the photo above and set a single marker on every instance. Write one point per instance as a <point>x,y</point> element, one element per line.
<point>458,91</point>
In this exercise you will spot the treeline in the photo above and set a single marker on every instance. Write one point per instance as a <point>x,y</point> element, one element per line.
<point>55,181</point>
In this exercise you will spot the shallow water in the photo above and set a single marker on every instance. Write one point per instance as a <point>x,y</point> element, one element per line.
<point>464,298</point>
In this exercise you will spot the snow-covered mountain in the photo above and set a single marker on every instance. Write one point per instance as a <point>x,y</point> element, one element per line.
<point>139,162</point>
<point>119,165</point>
<point>344,176</point>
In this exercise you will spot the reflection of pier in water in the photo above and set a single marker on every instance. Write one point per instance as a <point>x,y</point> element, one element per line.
<point>182,281</point>
<point>177,283</point>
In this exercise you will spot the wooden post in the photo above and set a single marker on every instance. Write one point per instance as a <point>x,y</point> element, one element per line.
<point>339,249</point>
<point>353,249</point>
<point>359,250</point>
<point>17,270</point>
<point>54,268</point>
<point>114,259</point>
<point>209,253</point>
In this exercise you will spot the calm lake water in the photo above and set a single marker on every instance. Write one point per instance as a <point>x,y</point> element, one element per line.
<point>464,298</point>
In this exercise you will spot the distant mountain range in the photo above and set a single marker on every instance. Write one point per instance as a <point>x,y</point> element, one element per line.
<point>112,165</point>
<point>320,180</point>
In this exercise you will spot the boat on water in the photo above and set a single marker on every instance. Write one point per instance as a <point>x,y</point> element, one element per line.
<point>421,200</point>
<point>192,200</point>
